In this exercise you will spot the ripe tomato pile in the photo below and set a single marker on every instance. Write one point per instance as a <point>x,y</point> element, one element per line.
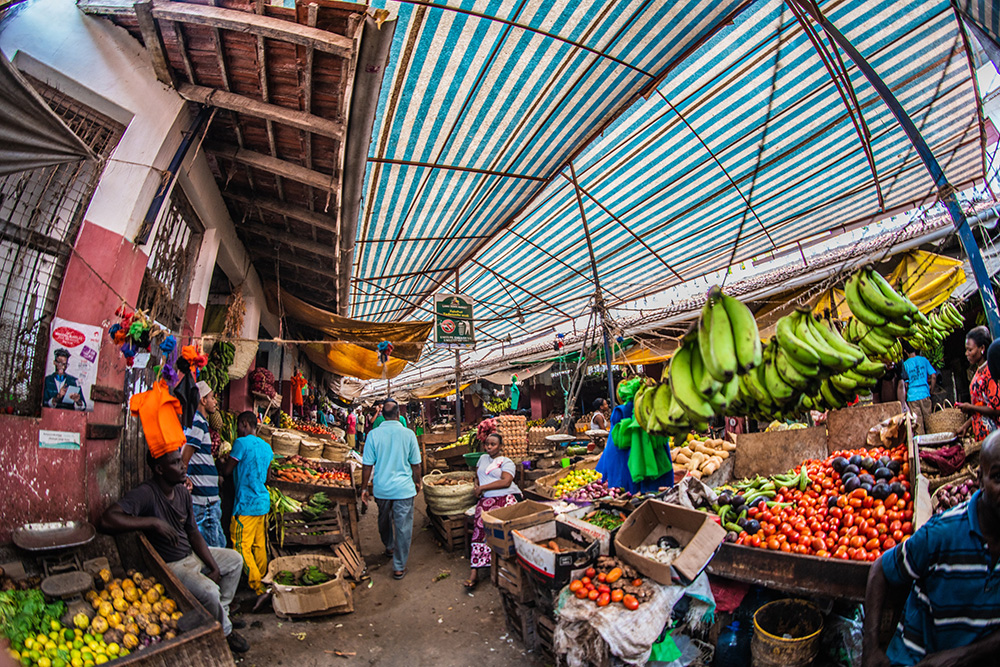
<point>830,521</point>
<point>603,588</point>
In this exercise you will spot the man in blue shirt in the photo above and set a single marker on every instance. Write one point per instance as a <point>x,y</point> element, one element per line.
<point>952,613</point>
<point>201,471</point>
<point>248,462</point>
<point>919,379</point>
<point>392,454</point>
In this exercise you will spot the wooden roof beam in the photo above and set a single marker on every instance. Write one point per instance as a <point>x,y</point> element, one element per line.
<point>284,238</point>
<point>153,40</point>
<point>274,165</point>
<point>254,24</point>
<point>281,208</point>
<point>241,104</point>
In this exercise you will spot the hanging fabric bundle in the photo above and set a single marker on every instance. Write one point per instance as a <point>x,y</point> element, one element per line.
<point>157,411</point>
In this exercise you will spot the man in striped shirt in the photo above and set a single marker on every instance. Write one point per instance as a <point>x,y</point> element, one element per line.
<point>202,473</point>
<point>952,613</point>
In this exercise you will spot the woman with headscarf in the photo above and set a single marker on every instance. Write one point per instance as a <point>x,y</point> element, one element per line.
<point>984,406</point>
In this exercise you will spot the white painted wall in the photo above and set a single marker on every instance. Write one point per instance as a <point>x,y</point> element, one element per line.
<point>100,64</point>
<point>75,50</point>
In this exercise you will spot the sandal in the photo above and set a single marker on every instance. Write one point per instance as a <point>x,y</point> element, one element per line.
<point>399,574</point>
<point>470,584</point>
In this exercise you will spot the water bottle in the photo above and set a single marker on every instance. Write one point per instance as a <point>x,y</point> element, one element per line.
<point>733,647</point>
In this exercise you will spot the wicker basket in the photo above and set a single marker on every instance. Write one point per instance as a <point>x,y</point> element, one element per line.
<point>311,448</point>
<point>958,477</point>
<point>284,443</point>
<point>448,500</point>
<point>246,352</point>
<point>264,432</point>
<point>934,483</point>
<point>335,453</point>
<point>945,419</point>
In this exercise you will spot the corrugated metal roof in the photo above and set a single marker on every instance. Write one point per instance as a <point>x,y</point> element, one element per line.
<point>752,116</point>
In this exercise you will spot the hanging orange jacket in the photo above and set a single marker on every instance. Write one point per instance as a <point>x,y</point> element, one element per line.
<point>157,409</point>
<point>298,383</point>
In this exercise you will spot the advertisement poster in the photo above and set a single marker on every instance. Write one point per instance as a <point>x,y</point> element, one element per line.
<point>71,367</point>
<point>453,321</point>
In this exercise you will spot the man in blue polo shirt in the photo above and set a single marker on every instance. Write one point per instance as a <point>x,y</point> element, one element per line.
<point>952,613</point>
<point>393,455</point>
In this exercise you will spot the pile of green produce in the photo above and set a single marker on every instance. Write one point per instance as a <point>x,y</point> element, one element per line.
<point>317,504</point>
<point>310,576</point>
<point>607,519</point>
<point>25,614</point>
<point>216,371</point>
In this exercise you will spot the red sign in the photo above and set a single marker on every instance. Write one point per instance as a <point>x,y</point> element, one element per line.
<point>68,337</point>
<point>447,326</point>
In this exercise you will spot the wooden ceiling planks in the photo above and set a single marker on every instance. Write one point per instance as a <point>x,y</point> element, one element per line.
<point>281,78</point>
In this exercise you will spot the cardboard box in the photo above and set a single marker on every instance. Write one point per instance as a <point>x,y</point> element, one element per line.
<point>696,532</point>
<point>544,485</point>
<point>500,523</point>
<point>332,597</point>
<point>605,537</point>
<point>555,569</point>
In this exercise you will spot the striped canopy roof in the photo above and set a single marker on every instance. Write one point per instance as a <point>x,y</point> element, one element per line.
<point>701,134</point>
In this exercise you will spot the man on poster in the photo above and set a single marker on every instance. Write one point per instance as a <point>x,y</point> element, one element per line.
<point>61,389</point>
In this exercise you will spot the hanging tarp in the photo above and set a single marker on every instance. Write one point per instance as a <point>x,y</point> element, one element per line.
<point>31,134</point>
<point>352,361</point>
<point>927,279</point>
<point>646,352</point>
<point>503,377</point>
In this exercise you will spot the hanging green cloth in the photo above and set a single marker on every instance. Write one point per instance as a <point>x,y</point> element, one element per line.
<point>515,393</point>
<point>648,457</point>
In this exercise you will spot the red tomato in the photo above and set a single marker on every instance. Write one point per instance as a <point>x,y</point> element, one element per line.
<point>630,602</point>
<point>581,593</point>
<point>586,580</point>
<point>603,577</point>
<point>888,544</point>
<point>591,573</point>
<point>604,600</point>
<point>593,595</point>
<point>575,585</point>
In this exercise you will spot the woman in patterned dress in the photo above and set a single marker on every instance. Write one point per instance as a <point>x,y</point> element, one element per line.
<point>495,488</point>
<point>984,408</point>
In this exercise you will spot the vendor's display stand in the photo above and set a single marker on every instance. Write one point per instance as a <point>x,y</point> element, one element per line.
<point>448,497</point>
<point>345,499</point>
<point>777,452</point>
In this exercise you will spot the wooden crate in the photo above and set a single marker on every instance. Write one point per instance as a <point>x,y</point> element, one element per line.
<point>545,630</point>
<point>522,621</point>
<point>302,529</point>
<point>345,497</point>
<point>450,530</point>
<point>508,575</point>
<point>204,645</point>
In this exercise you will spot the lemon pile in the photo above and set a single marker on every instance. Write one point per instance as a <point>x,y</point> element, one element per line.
<point>575,479</point>
<point>63,647</point>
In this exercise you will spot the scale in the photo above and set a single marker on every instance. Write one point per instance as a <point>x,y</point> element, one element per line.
<point>56,545</point>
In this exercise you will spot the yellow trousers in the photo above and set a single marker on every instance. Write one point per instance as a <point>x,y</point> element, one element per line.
<point>250,540</point>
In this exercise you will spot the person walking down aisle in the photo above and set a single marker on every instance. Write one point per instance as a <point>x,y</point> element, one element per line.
<point>984,408</point>
<point>494,488</point>
<point>392,462</point>
<point>161,508</point>
<point>201,471</point>
<point>248,463</point>
<point>952,612</point>
<point>919,379</point>
<point>351,430</point>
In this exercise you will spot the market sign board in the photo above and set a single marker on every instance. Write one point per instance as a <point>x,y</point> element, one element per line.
<point>453,323</point>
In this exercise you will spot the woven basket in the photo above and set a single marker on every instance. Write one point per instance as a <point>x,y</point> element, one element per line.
<point>335,453</point>
<point>311,448</point>
<point>448,500</point>
<point>284,443</point>
<point>934,483</point>
<point>958,477</point>
<point>246,352</point>
<point>264,432</point>
<point>945,419</point>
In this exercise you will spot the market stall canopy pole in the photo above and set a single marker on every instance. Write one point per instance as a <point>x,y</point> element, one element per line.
<point>32,136</point>
<point>599,297</point>
<point>946,192</point>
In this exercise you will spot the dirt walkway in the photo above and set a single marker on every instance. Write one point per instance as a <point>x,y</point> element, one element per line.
<point>416,621</point>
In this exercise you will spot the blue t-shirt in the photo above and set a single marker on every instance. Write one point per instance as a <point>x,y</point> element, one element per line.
<point>955,599</point>
<point>391,449</point>
<point>249,476</point>
<point>201,470</point>
<point>917,373</point>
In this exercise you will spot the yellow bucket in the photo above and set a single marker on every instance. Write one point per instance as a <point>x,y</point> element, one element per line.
<point>786,634</point>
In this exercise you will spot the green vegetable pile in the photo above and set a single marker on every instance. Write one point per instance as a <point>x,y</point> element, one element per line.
<point>25,614</point>
<point>310,576</point>
<point>606,519</point>
<point>317,504</point>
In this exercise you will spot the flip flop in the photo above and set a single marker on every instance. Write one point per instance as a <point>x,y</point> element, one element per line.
<point>399,575</point>
<point>470,585</point>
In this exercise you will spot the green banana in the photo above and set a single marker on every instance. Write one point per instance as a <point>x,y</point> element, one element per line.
<point>843,383</point>
<point>880,296</point>
<point>788,373</point>
<point>824,329</point>
<point>794,346</point>
<point>893,329</point>
<point>746,336</point>
<point>859,308</point>
<point>715,339</point>
<point>803,369</point>
<point>827,355</point>
<point>859,379</point>
<point>757,380</point>
<point>657,408</point>
<point>639,408</point>
<point>780,390</point>
<point>682,383</point>
<point>703,380</point>
<point>952,314</point>
<point>726,396</point>
<point>872,369</point>
<point>831,399</point>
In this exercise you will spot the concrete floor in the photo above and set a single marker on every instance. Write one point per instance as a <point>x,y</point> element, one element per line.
<point>416,621</point>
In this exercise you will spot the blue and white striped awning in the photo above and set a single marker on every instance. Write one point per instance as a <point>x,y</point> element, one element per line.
<point>742,144</point>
